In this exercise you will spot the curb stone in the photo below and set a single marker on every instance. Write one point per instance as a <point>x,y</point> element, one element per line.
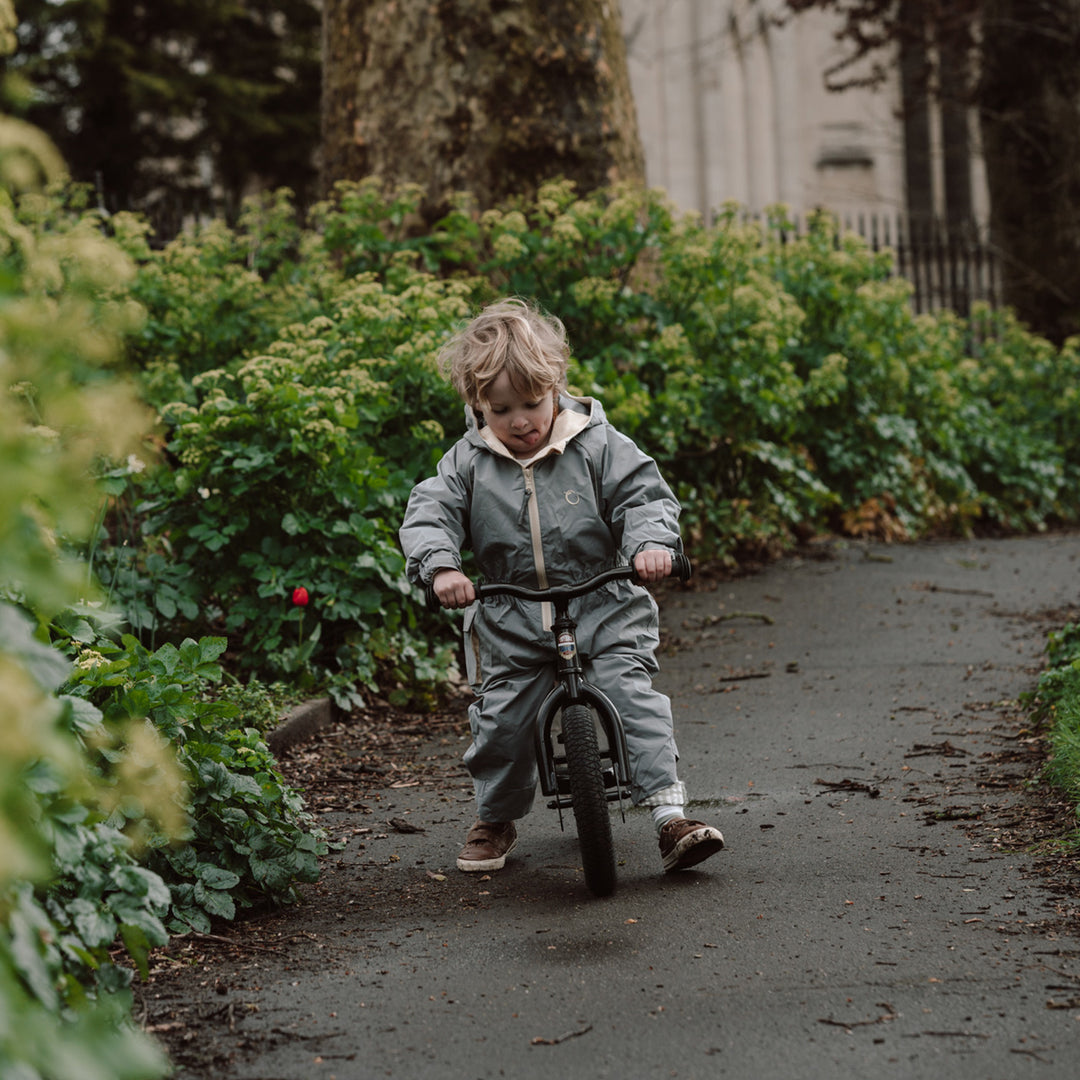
<point>301,723</point>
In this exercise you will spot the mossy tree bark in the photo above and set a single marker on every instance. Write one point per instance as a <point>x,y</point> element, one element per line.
<point>486,96</point>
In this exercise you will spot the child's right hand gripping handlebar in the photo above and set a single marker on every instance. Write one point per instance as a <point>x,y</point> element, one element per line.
<point>680,568</point>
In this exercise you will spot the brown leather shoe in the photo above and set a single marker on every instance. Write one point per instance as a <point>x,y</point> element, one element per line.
<point>685,843</point>
<point>487,846</point>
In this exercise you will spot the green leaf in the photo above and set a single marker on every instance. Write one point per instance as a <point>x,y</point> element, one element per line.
<point>27,958</point>
<point>138,946</point>
<point>136,703</point>
<point>215,902</point>
<point>95,926</point>
<point>190,917</point>
<point>216,877</point>
<point>140,881</point>
<point>190,653</point>
<point>113,485</point>
<point>82,631</point>
<point>83,716</point>
<point>48,668</point>
<point>211,648</point>
<point>148,924</point>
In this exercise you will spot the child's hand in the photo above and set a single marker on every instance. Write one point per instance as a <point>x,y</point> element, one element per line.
<point>652,565</point>
<point>453,589</point>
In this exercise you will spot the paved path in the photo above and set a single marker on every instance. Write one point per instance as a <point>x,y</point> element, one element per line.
<point>867,918</point>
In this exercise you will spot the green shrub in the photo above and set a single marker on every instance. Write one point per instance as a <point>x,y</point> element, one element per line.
<point>1056,703</point>
<point>69,884</point>
<point>780,379</point>
<point>683,334</point>
<point>247,839</point>
<point>220,294</point>
<point>294,471</point>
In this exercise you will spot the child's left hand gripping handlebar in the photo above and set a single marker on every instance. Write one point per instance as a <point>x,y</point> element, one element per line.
<point>680,568</point>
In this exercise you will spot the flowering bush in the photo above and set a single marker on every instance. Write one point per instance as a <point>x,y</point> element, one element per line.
<point>295,466</point>
<point>781,381</point>
<point>220,294</point>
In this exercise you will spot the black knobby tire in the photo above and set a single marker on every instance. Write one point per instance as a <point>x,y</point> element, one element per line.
<point>588,799</point>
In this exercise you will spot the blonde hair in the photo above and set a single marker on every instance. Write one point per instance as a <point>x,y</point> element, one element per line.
<point>510,335</point>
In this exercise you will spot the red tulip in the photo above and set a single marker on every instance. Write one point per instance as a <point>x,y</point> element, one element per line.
<point>300,596</point>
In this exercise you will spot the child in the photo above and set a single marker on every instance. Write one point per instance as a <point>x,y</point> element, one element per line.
<point>544,491</point>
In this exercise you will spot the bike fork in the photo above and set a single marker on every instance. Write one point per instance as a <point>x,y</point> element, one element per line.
<point>572,689</point>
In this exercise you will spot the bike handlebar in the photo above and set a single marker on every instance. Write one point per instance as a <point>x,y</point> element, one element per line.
<point>680,568</point>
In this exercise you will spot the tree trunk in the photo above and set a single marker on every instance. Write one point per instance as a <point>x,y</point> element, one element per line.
<point>486,96</point>
<point>1029,100</point>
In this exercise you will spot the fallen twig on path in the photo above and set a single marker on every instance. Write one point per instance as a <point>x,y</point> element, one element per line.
<point>928,586</point>
<point>541,1041</point>
<point>941,749</point>
<point>1030,1054</point>
<point>711,620</point>
<point>849,1024</point>
<point>195,935</point>
<point>850,785</point>
<point>307,1038</point>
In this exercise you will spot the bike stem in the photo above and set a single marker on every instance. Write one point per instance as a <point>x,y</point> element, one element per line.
<point>568,669</point>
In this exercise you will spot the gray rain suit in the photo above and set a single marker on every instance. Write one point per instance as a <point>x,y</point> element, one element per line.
<point>588,500</point>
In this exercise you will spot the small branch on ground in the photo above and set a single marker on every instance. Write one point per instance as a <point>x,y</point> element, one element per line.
<point>541,1041</point>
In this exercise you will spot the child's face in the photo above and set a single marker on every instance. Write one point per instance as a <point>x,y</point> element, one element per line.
<point>520,422</point>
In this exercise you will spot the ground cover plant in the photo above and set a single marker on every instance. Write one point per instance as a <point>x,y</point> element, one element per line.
<point>1056,703</point>
<point>246,839</point>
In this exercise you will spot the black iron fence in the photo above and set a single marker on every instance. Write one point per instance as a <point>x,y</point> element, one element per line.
<point>949,266</point>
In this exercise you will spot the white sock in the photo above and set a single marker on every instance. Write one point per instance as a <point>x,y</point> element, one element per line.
<point>663,814</point>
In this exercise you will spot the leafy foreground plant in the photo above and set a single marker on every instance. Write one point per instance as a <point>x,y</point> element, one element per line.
<point>64,1005</point>
<point>248,839</point>
<point>69,885</point>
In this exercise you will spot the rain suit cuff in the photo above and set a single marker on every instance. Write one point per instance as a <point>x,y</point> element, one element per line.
<point>439,560</point>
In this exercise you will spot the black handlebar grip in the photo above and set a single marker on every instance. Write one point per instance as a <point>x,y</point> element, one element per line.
<point>680,567</point>
<point>432,600</point>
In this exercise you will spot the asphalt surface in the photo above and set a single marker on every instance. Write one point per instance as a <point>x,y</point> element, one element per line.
<point>850,723</point>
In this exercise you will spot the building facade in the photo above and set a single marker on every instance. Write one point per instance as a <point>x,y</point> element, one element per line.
<point>732,105</point>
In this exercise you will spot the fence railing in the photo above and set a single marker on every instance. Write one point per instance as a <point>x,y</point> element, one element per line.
<point>950,266</point>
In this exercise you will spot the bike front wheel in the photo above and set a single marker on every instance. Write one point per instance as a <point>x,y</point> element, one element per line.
<point>588,799</point>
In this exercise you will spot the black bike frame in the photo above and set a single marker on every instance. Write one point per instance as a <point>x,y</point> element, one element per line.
<point>571,687</point>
